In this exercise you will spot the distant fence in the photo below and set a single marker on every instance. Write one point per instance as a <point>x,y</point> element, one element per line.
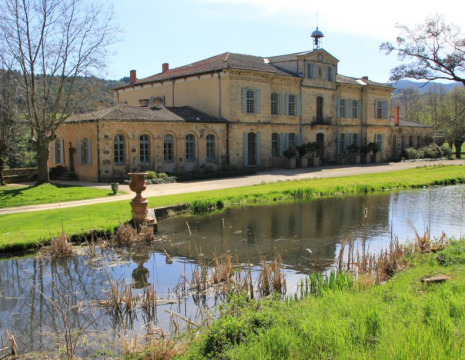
<point>19,175</point>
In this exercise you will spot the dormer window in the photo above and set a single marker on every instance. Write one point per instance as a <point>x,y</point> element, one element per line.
<point>329,73</point>
<point>310,70</point>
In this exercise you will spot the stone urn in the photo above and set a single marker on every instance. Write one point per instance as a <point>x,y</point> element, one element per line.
<point>139,203</point>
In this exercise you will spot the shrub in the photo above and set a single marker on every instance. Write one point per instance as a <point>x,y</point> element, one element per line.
<point>290,153</point>
<point>447,151</point>
<point>162,175</point>
<point>151,175</point>
<point>411,153</point>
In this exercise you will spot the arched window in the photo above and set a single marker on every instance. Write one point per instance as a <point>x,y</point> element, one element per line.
<point>211,147</point>
<point>190,147</point>
<point>119,149</point>
<point>144,148</point>
<point>168,148</point>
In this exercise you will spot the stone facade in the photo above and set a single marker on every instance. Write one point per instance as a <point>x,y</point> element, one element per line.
<point>256,108</point>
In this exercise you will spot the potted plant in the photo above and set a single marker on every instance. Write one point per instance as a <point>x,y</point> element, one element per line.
<point>114,187</point>
<point>302,161</point>
<point>374,149</point>
<point>290,154</point>
<point>314,149</point>
<point>365,150</point>
<point>354,153</point>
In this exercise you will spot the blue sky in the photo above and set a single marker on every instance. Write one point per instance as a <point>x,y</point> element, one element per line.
<point>180,32</point>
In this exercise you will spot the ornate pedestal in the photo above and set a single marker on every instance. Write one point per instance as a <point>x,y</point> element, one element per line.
<point>139,203</point>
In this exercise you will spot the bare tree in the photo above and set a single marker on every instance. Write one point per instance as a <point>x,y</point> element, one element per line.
<point>436,51</point>
<point>51,42</point>
<point>8,113</point>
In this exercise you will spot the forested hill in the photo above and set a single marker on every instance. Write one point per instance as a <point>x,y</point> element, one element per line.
<point>424,86</point>
<point>89,91</point>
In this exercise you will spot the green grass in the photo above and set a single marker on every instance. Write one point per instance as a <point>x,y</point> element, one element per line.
<point>13,195</point>
<point>28,230</point>
<point>402,319</point>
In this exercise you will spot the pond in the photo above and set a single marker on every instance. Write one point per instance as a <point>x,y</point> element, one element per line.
<point>47,305</point>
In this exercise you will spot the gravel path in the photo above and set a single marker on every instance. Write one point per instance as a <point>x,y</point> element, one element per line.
<point>259,178</point>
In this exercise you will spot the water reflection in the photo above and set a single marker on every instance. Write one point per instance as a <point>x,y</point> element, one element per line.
<point>307,235</point>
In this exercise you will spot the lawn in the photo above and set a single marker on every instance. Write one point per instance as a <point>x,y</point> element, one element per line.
<point>13,195</point>
<point>28,230</point>
<point>401,319</point>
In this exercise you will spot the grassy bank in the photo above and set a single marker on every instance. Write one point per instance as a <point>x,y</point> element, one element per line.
<point>11,195</point>
<point>28,230</point>
<point>404,318</point>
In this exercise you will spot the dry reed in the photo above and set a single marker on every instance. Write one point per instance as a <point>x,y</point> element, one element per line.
<point>271,278</point>
<point>127,234</point>
<point>60,247</point>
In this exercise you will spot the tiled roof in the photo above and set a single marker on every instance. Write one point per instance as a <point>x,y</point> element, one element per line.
<point>407,123</point>
<point>124,112</point>
<point>343,79</point>
<point>219,62</point>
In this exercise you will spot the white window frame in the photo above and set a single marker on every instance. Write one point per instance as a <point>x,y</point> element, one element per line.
<point>119,149</point>
<point>250,101</point>
<point>168,148</point>
<point>190,147</point>
<point>144,148</point>
<point>211,147</point>
<point>291,105</point>
<point>274,104</point>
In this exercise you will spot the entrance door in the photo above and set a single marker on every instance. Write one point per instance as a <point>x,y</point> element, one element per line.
<point>252,148</point>
<point>320,137</point>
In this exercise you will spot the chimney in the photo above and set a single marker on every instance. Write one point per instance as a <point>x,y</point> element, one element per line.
<point>132,76</point>
<point>396,118</point>
<point>165,67</point>
<point>365,78</point>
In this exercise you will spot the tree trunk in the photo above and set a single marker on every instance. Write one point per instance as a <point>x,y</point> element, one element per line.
<point>2,182</point>
<point>42,161</point>
<point>458,149</point>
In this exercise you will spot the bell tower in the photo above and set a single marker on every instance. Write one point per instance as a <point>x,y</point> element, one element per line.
<point>317,35</point>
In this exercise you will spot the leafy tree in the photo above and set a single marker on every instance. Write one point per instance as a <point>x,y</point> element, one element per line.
<point>51,43</point>
<point>436,51</point>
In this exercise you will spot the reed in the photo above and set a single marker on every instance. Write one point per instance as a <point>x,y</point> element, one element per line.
<point>271,278</point>
<point>60,247</point>
<point>126,234</point>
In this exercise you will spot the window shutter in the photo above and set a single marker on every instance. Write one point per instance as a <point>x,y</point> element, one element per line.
<point>360,109</point>
<point>54,152</point>
<point>79,145</point>
<point>339,140</point>
<point>299,105</point>
<point>89,150</point>
<point>259,148</point>
<point>257,94</point>
<point>305,68</point>
<point>246,147</point>
<point>62,153</point>
<point>334,73</point>
<point>338,107</point>
<point>314,69</point>
<point>374,111</point>
<point>286,110</point>
<point>281,103</point>
<point>244,100</point>
<point>348,108</point>
<point>382,143</point>
<point>385,109</point>
<point>299,139</point>
<point>281,144</point>
<point>286,141</point>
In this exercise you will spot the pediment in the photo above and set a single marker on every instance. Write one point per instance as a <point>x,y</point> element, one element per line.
<point>319,55</point>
